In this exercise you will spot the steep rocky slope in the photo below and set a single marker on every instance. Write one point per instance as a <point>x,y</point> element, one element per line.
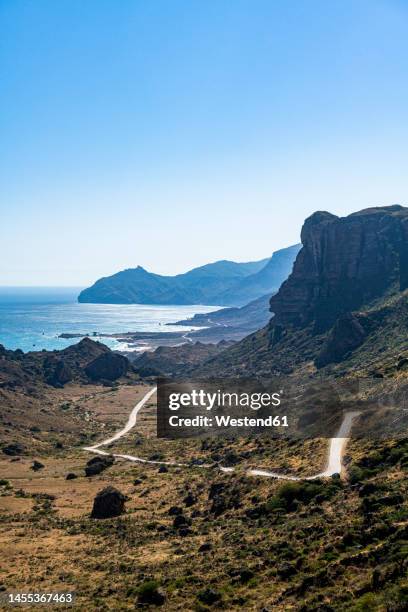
<point>82,362</point>
<point>176,360</point>
<point>344,264</point>
<point>346,295</point>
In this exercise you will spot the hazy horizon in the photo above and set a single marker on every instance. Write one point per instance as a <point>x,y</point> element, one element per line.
<point>170,135</point>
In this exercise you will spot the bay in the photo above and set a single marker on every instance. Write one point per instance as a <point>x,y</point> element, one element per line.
<point>31,318</point>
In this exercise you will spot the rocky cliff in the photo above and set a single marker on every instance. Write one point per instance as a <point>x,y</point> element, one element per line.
<point>345,303</point>
<point>344,263</point>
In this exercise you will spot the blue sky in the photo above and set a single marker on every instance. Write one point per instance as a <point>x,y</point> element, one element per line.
<point>173,133</point>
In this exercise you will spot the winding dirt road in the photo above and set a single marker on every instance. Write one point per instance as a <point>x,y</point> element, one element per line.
<point>334,460</point>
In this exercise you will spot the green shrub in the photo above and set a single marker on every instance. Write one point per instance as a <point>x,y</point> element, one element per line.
<point>149,592</point>
<point>290,494</point>
<point>369,602</point>
<point>358,474</point>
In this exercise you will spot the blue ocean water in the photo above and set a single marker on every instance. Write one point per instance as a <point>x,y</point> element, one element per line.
<point>31,318</point>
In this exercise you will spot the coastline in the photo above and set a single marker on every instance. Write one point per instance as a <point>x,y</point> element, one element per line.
<point>136,342</point>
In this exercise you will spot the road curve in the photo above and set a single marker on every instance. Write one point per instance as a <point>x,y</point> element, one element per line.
<point>334,460</point>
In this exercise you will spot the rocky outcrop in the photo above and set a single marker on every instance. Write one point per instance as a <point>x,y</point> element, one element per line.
<point>346,300</point>
<point>14,449</point>
<point>78,356</point>
<point>98,464</point>
<point>344,264</point>
<point>348,333</point>
<point>109,366</point>
<point>56,368</point>
<point>108,503</point>
<point>175,360</point>
<point>57,373</point>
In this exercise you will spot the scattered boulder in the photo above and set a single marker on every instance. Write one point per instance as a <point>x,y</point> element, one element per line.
<point>223,498</point>
<point>37,465</point>
<point>71,476</point>
<point>184,532</point>
<point>402,363</point>
<point>98,464</point>
<point>108,503</point>
<point>285,570</point>
<point>163,469</point>
<point>174,510</point>
<point>215,489</point>
<point>181,521</point>
<point>108,366</point>
<point>13,449</point>
<point>189,500</point>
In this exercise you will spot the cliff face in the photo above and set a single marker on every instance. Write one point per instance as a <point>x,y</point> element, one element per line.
<point>345,303</point>
<point>344,264</point>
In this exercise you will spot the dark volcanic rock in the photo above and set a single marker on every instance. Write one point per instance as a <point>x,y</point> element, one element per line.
<point>108,503</point>
<point>174,360</point>
<point>37,465</point>
<point>181,521</point>
<point>32,370</point>
<point>209,596</point>
<point>71,476</point>
<point>223,498</point>
<point>174,510</point>
<point>13,449</point>
<point>109,366</point>
<point>57,372</point>
<point>189,500</point>
<point>347,334</point>
<point>85,351</point>
<point>347,292</point>
<point>344,263</point>
<point>98,464</point>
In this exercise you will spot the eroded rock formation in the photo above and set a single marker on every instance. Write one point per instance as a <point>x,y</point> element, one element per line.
<point>344,264</point>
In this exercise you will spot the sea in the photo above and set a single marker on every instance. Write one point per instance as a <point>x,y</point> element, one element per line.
<point>32,318</point>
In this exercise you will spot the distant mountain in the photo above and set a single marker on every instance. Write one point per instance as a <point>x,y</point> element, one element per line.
<point>266,281</point>
<point>221,283</point>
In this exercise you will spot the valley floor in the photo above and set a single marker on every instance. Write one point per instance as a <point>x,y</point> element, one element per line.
<point>241,544</point>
